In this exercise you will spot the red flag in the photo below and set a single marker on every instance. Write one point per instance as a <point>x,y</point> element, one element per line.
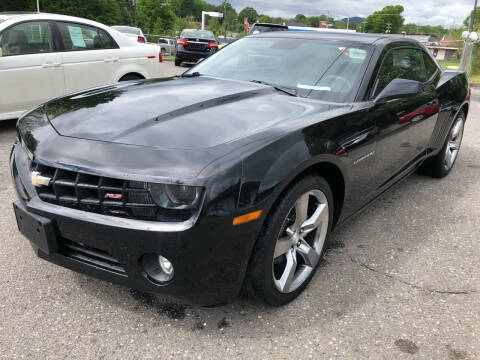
<point>247,25</point>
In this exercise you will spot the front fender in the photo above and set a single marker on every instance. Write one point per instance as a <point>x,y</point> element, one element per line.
<point>266,174</point>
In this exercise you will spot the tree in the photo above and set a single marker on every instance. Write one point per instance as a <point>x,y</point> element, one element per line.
<point>155,16</point>
<point>439,31</point>
<point>339,25</point>
<point>389,18</point>
<point>249,13</point>
<point>300,18</point>
<point>109,12</point>
<point>17,5</point>
<point>104,11</point>
<point>264,19</point>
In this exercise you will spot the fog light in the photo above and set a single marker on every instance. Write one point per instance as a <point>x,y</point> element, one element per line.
<point>166,265</point>
<point>158,268</point>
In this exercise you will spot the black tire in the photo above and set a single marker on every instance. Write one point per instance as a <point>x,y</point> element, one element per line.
<point>437,165</point>
<point>130,77</point>
<point>178,62</point>
<point>259,280</point>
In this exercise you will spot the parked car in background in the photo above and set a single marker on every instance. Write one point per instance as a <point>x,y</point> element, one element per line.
<point>132,32</point>
<point>194,45</point>
<point>258,28</point>
<point>167,46</point>
<point>44,56</point>
<point>224,41</point>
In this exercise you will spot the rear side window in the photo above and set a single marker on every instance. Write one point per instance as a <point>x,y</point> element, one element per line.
<point>197,34</point>
<point>128,30</point>
<point>77,37</point>
<point>430,66</point>
<point>27,38</point>
<point>402,63</point>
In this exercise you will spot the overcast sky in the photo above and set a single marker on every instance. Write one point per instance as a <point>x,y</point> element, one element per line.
<point>422,12</point>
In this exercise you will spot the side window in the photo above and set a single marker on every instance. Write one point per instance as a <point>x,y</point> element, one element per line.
<point>430,66</point>
<point>27,38</point>
<point>83,37</point>
<point>402,63</point>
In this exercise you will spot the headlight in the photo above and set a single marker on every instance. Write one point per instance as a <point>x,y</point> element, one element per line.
<point>175,196</point>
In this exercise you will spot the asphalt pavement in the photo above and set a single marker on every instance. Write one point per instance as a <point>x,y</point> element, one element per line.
<point>400,281</point>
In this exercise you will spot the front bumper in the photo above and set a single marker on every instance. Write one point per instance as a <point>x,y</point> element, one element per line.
<point>209,258</point>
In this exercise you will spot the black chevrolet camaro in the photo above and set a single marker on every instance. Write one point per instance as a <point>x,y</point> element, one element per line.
<point>232,175</point>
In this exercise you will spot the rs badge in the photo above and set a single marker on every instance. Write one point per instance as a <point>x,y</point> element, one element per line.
<point>39,180</point>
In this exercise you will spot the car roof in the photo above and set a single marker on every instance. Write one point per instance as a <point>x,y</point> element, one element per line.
<point>125,26</point>
<point>9,15</point>
<point>336,35</point>
<point>271,25</point>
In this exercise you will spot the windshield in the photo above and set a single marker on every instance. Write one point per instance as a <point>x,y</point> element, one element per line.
<point>198,34</point>
<point>326,70</point>
<point>127,30</point>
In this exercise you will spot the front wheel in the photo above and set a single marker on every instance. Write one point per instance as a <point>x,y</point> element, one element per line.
<point>177,62</point>
<point>441,164</point>
<point>291,244</point>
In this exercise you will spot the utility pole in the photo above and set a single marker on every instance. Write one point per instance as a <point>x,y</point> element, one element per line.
<point>225,18</point>
<point>38,5</point>
<point>134,4</point>
<point>466,59</point>
<point>348,22</point>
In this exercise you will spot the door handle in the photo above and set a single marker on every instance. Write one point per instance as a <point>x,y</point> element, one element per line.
<point>107,60</point>
<point>114,59</point>
<point>56,65</point>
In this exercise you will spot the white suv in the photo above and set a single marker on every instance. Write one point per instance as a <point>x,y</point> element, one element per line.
<point>43,56</point>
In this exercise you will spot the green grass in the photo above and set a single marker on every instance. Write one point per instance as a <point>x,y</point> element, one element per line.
<point>168,57</point>
<point>474,78</point>
<point>449,64</point>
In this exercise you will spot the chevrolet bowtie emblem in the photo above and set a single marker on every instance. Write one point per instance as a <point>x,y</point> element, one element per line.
<point>39,180</point>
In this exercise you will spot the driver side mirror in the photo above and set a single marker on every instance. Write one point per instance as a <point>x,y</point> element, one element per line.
<point>398,89</point>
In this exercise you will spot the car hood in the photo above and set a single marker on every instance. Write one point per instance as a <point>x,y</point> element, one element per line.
<point>174,113</point>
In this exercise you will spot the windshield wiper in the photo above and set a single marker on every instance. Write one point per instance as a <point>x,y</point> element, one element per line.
<point>284,89</point>
<point>194,74</point>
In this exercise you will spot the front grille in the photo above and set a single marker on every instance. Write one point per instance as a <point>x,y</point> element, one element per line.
<point>197,46</point>
<point>90,255</point>
<point>103,195</point>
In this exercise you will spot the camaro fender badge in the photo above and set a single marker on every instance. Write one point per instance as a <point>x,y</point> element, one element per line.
<point>364,157</point>
<point>39,180</point>
<point>113,196</point>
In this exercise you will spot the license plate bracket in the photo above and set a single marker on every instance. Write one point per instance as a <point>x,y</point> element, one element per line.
<point>38,229</point>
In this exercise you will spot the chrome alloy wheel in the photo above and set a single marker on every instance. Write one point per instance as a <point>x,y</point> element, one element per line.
<point>454,142</point>
<point>300,241</point>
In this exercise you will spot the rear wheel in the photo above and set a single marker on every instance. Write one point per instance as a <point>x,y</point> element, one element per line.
<point>291,244</point>
<point>441,164</point>
<point>178,62</point>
